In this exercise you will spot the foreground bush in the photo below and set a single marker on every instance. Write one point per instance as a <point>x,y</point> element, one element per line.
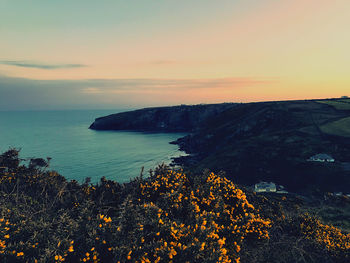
<point>168,217</point>
<point>165,218</point>
<point>203,221</point>
<point>328,236</point>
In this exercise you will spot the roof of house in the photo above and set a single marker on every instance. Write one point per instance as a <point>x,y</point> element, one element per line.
<point>265,185</point>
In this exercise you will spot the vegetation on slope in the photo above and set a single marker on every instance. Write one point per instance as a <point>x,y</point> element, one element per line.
<point>272,141</point>
<point>339,128</point>
<point>168,217</point>
<point>182,118</point>
<point>339,104</point>
<point>268,141</point>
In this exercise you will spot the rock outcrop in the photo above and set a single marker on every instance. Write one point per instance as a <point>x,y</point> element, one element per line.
<point>182,118</point>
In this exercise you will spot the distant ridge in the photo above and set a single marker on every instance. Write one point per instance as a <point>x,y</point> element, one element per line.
<point>269,141</point>
<point>183,118</point>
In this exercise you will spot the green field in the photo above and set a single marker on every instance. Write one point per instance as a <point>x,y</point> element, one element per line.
<point>340,127</point>
<point>343,104</point>
<point>345,100</point>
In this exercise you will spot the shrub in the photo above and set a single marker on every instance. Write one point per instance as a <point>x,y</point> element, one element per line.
<point>168,217</point>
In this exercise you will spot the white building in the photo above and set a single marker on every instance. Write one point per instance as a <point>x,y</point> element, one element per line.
<point>321,157</point>
<point>265,187</point>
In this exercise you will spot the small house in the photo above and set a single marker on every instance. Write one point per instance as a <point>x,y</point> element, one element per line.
<point>265,187</point>
<point>321,157</point>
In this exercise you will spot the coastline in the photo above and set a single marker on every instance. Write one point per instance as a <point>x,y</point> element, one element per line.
<point>252,142</point>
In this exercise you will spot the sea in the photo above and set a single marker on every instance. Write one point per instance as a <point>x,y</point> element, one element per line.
<point>78,152</point>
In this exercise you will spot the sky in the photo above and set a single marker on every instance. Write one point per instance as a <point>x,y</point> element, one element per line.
<point>87,54</point>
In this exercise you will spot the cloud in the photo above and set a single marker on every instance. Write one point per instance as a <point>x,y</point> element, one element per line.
<point>26,64</point>
<point>129,85</point>
<point>22,93</point>
<point>91,90</point>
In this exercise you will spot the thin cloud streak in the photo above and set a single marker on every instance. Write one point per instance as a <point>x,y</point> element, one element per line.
<point>37,65</point>
<point>22,93</point>
<point>117,85</point>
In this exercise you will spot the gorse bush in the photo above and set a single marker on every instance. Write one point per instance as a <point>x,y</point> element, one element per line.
<point>164,218</point>
<point>168,217</point>
<point>205,221</point>
<point>329,236</point>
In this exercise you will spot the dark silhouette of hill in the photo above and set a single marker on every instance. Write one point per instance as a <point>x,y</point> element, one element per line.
<point>182,118</point>
<point>268,141</point>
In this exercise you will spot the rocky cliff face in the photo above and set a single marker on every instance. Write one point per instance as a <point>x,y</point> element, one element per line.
<point>162,119</point>
<point>267,141</point>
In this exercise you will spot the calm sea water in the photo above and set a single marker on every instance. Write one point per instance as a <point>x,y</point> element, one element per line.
<point>78,152</point>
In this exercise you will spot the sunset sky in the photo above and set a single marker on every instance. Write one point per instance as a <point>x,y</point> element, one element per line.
<point>87,54</point>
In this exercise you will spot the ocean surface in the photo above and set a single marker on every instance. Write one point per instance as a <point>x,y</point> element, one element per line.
<point>78,152</point>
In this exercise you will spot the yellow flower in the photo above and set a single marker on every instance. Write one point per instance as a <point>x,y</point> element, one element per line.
<point>221,241</point>
<point>107,219</point>
<point>172,253</point>
<point>129,255</point>
<point>70,249</point>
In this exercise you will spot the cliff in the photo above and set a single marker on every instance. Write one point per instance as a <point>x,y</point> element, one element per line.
<point>182,118</point>
<point>252,142</point>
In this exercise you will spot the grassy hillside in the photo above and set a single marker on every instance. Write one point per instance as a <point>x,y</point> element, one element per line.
<point>339,104</point>
<point>182,118</point>
<point>272,141</point>
<point>269,141</point>
<point>339,128</point>
<point>168,217</point>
